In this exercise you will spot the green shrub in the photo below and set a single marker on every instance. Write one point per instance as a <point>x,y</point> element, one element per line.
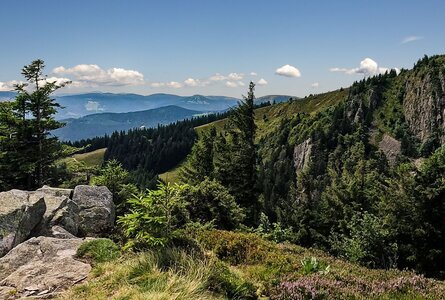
<point>233,247</point>
<point>98,250</point>
<point>210,201</point>
<point>223,281</point>
<point>154,217</point>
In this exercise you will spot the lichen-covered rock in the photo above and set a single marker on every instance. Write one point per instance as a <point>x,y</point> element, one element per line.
<point>96,209</point>
<point>42,265</point>
<point>20,213</point>
<point>302,155</point>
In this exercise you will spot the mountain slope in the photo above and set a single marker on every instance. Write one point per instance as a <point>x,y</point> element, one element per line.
<point>106,123</point>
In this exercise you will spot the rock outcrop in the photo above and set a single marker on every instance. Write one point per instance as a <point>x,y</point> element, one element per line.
<point>41,266</point>
<point>302,155</point>
<point>424,102</point>
<point>39,237</point>
<point>60,211</point>
<point>390,147</point>
<point>96,209</point>
<point>20,213</point>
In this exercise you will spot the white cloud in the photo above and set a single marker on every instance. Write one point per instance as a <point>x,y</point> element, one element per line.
<point>56,80</point>
<point>253,74</point>
<point>8,85</point>
<point>288,71</point>
<point>217,77</point>
<point>174,84</point>
<point>368,67</point>
<point>195,82</point>
<point>411,38</point>
<point>262,81</point>
<point>93,75</point>
<point>235,76</point>
<point>191,82</point>
<point>315,85</point>
<point>234,84</point>
<point>93,106</point>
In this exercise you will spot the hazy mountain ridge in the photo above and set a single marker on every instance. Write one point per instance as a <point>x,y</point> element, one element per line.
<point>79,105</point>
<point>106,123</point>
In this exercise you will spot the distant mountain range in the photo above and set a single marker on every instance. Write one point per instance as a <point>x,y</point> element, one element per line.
<point>79,105</point>
<point>106,123</point>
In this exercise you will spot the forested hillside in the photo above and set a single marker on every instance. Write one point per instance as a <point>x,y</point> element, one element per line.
<point>362,179</point>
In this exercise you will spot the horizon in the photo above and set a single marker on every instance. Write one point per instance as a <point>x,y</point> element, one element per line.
<point>200,48</point>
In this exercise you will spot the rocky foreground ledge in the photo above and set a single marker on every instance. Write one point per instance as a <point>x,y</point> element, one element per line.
<point>40,232</point>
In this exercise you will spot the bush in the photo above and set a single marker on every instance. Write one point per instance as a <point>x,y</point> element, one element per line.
<point>235,248</point>
<point>98,250</point>
<point>154,217</point>
<point>211,202</point>
<point>223,281</point>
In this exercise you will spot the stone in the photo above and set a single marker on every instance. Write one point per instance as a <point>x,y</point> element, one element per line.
<point>390,147</point>
<point>424,105</point>
<point>42,265</point>
<point>96,210</point>
<point>60,210</point>
<point>19,215</point>
<point>302,155</point>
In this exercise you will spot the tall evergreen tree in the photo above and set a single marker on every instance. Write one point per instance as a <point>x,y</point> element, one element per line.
<point>28,147</point>
<point>243,155</point>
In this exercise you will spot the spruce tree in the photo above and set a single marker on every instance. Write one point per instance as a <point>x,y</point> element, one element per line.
<point>28,151</point>
<point>243,155</point>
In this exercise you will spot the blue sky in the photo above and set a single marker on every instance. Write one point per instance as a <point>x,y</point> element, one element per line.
<point>216,47</point>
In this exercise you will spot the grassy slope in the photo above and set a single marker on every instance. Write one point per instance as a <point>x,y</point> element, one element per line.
<point>260,263</point>
<point>90,159</point>
<point>273,116</point>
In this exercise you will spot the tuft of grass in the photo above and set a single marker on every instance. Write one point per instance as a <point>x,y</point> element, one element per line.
<point>163,275</point>
<point>98,251</point>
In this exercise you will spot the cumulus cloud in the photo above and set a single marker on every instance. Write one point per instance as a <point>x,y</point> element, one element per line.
<point>235,76</point>
<point>234,84</point>
<point>288,71</point>
<point>315,85</point>
<point>195,82</point>
<point>93,75</point>
<point>174,84</point>
<point>93,106</point>
<point>253,74</point>
<point>262,81</point>
<point>411,38</point>
<point>367,67</point>
<point>217,77</point>
<point>8,85</point>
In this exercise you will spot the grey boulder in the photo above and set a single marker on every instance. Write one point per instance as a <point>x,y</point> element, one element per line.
<point>96,209</point>
<point>20,213</point>
<point>41,265</point>
<point>60,211</point>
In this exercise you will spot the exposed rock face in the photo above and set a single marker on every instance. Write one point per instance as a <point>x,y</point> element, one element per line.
<point>20,212</point>
<point>96,209</point>
<point>302,155</point>
<point>424,104</point>
<point>390,147</point>
<point>60,210</point>
<point>41,265</point>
